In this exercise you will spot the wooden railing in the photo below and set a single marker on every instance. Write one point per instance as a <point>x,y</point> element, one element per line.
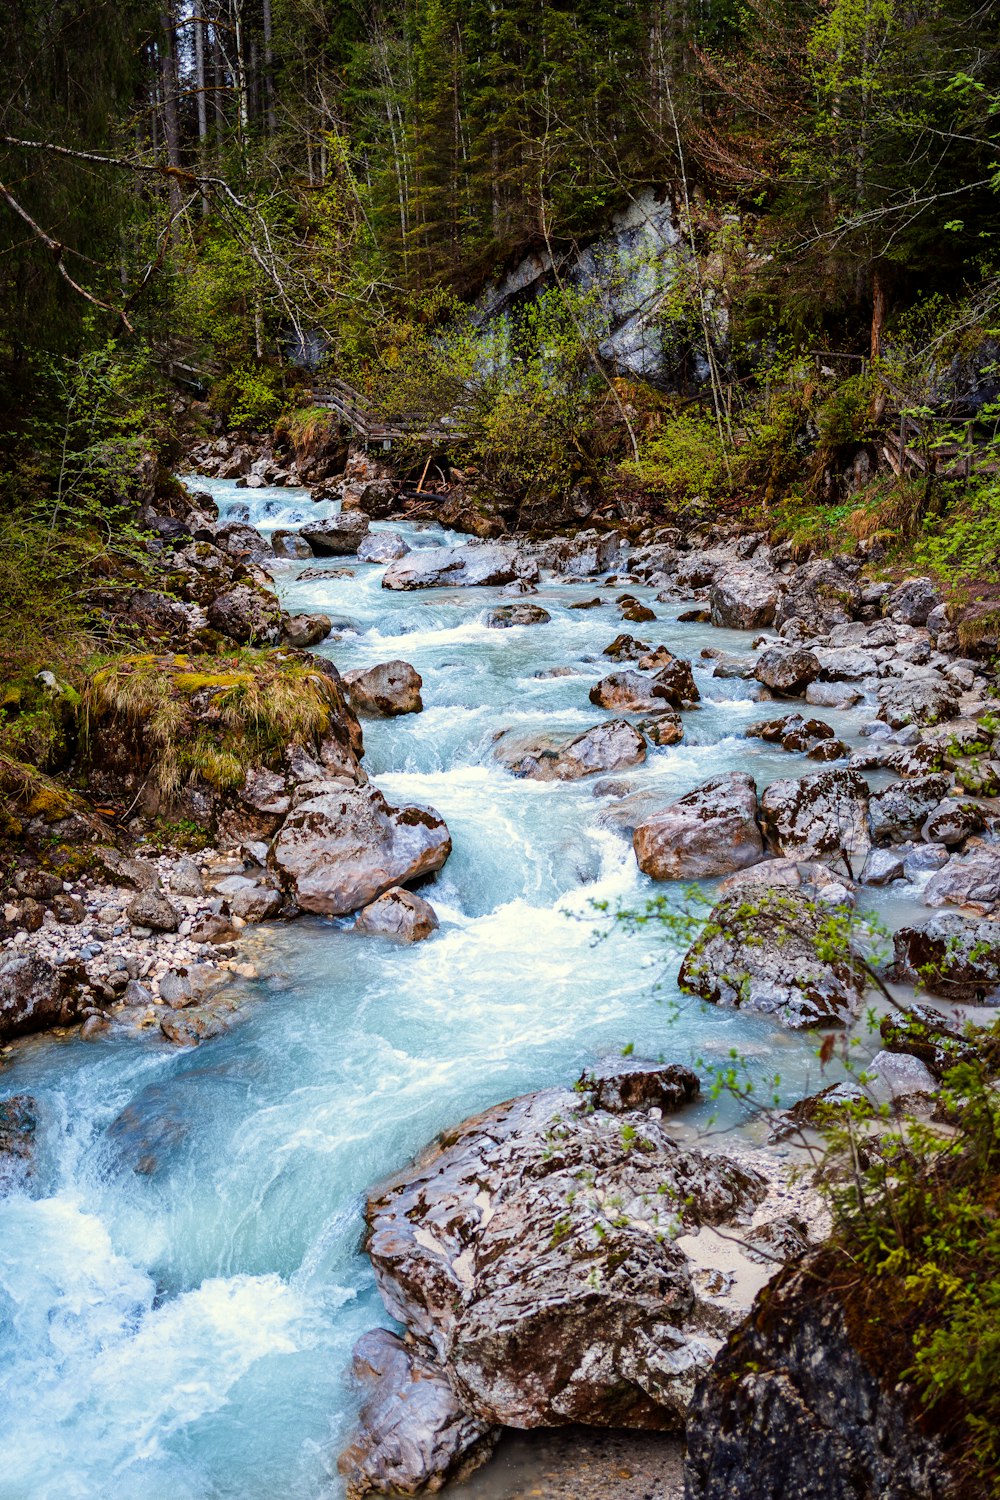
<point>357,412</point>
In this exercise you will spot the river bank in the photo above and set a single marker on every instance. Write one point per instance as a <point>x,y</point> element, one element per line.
<point>193,1222</point>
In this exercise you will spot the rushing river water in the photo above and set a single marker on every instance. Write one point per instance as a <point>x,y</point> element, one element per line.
<point>184,1333</point>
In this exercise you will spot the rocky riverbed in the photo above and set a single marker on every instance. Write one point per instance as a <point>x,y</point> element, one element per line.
<point>521,729</point>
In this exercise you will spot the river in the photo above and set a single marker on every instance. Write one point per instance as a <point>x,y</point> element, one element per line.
<point>184,1333</point>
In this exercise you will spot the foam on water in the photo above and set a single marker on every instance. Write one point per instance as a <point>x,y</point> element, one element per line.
<point>180,1294</point>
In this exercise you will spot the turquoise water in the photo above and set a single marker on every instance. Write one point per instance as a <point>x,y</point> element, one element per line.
<point>182,1333</point>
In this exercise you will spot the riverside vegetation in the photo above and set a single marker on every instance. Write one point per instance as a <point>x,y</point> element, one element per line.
<point>682,319</point>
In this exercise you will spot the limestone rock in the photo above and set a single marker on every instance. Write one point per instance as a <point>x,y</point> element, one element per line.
<point>398,914</point>
<point>952,957</point>
<point>822,817</point>
<point>35,995</point>
<point>18,1125</point>
<point>899,811</point>
<point>760,954</point>
<point>389,689</point>
<point>444,567</point>
<point>927,699</point>
<point>344,846</point>
<point>338,536</point>
<point>744,597</point>
<point>304,631</point>
<point>710,831</point>
<point>787,671</point>
<point>507,615</point>
<point>290,544</point>
<point>970,880</point>
<point>246,615</point>
<point>606,747</point>
<point>152,909</point>
<point>382,547</point>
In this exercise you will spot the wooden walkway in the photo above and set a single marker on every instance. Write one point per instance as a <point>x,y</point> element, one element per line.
<point>357,411</point>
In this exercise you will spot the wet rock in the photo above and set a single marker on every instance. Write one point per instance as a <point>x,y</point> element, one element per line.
<point>152,909</point>
<point>413,1435</point>
<point>762,954</point>
<point>246,615</point>
<point>744,597</point>
<point>382,547</point>
<point>635,612</point>
<point>241,540</point>
<point>786,671</point>
<point>619,1087</point>
<point>953,822</point>
<point>917,700</point>
<point>290,544</point>
<point>607,747</point>
<point>664,730</point>
<point>792,1409</point>
<point>628,692</point>
<point>304,631</point>
<point>899,811</point>
<point>923,860</point>
<point>832,695</point>
<point>344,846</point>
<point>532,1252</point>
<point>712,830</point>
<point>822,817</point>
<point>882,867</point>
<point>507,615</point>
<point>376,497</point>
<point>399,914</point>
<point>587,552</point>
<point>256,903</point>
<point>463,567</point>
<point>952,957</point>
<point>625,648</point>
<point>836,1103</point>
<point>818,882</point>
<point>388,690</point>
<point>898,1076</point>
<point>18,1125</point>
<point>924,1033</point>
<point>152,1125</point>
<point>35,995</point>
<point>970,880</point>
<point>338,536</point>
<point>793,732</point>
<point>727,664</point>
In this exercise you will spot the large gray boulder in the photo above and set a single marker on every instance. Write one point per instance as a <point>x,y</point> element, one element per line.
<point>35,995</point>
<point>578,556</point>
<point>454,567</point>
<point>822,817</point>
<point>18,1127</point>
<point>607,747</point>
<point>533,1253</point>
<point>970,880</point>
<point>712,830</point>
<point>792,1410</point>
<point>766,950</point>
<point>899,811</point>
<point>382,547</point>
<point>787,670</point>
<point>247,615</point>
<point>925,699</point>
<point>744,597</point>
<point>343,846</point>
<point>338,536</point>
<point>413,1435</point>
<point>951,957</point>
<point>399,914</point>
<point>387,690</point>
<point>912,601</point>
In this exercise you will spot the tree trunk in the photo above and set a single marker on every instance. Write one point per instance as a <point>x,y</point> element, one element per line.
<point>200,84</point>
<point>171,129</point>
<point>268,66</point>
<point>878,314</point>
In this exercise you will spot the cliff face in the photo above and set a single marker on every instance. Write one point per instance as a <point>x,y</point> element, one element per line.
<point>631,267</point>
<point>792,1408</point>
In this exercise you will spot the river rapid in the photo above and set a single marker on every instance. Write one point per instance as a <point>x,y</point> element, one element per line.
<point>183,1332</point>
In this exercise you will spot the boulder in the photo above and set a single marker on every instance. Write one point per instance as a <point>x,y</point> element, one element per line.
<point>897,1075</point>
<point>241,540</point>
<point>507,615</point>
<point>290,544</point>
<point>382,547</point>
<point>822,817</point>
<point>247,615</point>
<point>453,567</point>
<point>791,1408</point>
<point>832,695</point>
<point>899,811</point>
<point>787,671</point>
<point>912,601</point>
<point>952,822</point>
<point>818,882</point>
<point>533,1252</point>
<point>819,595</point>
<point>951,957</point>
<point>587,552</point>
<point>924,1033</point>
<point>398,914</point>
<point>376,497</point>
<point>627,692</point>
<point>305,631</point>
<point>761,952</point>
<point>711,831</point>
<point>606,747</point>
<point>744,597</point>
<point>413,1434</point>
<point>256,903</point>
<point>387,690</point>
<point>343,846</point>
<point>152,909</point>
<point>927,699</point>
<point>970,880</point>
<point>35,995</point>
<point>338,536</point>
<point>625,648</point>
<point>667,1087</point>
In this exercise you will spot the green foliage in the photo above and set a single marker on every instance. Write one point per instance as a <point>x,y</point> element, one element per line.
<point>249,395</point>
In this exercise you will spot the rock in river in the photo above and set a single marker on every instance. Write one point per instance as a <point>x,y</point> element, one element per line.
<point>951,957</point>
<point>442,567</point>
<point>507,615</point>
<point>533,1252</point>
<point>710,831</point>
<point>744,597</point>
<point>822,817</point>
<point>389,689</point>
<point>399,914</point>
<point>35,995</point>
<point>787,670</point>
<point>344,846</point>
<point>606,747</point>
<point>339,536</point>
<point>761,952</point>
